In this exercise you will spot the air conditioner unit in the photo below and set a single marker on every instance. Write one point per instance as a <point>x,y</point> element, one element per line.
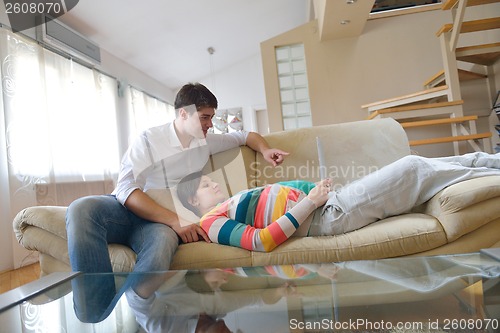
<point>53,33</point>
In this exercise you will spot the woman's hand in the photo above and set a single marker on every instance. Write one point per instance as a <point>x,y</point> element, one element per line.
<point>319,194</point>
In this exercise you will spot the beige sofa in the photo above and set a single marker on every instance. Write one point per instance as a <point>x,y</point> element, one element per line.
<point>462,218</point>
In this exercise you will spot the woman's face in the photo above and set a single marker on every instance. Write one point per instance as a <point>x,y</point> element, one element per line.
<point>208,195</point>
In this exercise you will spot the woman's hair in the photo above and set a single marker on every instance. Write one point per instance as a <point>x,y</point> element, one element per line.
<point>197,94</point>
<point>186,190</point>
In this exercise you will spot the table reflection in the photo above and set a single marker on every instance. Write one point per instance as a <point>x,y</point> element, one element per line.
<point>272,298</point>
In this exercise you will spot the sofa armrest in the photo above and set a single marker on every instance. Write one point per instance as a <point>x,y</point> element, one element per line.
<point>43,229</point>
<point>49,218</point>
<point>464,194</point>
<point>466,206</point>
<point>468,193</point>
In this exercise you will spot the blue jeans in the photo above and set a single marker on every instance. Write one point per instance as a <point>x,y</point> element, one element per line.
<point>92,223</point>
<point>95,221</point>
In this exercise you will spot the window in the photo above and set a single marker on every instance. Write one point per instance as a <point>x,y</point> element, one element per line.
<point>385,5</point>
<point>292,76</point>
<point>147,112</point>
<point>60,116</point>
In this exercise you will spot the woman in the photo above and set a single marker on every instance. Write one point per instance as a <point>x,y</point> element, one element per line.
<point>262,218</point>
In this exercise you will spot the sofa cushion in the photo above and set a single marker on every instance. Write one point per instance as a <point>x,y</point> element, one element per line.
<point>482,237</point>
<point>209,255</point>
<point>391,237</point>
<point>122,258</point>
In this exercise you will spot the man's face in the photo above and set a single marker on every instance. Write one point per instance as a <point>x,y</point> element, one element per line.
<point>200,122</point>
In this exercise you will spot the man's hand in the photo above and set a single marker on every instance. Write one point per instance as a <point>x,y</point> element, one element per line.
<point>328,271</point>
<point>271,296</point>
<point>274,156</point>
<point>191,233</point>
<point>271,155</point>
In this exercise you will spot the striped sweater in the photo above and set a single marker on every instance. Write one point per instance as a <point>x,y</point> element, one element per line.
<point>286,272</point>
<point>262,218</point>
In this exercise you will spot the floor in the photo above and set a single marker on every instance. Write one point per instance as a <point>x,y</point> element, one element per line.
<point>15,278</point>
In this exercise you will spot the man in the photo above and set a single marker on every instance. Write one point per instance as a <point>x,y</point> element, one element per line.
<point>159,158</point>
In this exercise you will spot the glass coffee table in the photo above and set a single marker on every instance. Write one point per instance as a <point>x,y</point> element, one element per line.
<point>452,293</point>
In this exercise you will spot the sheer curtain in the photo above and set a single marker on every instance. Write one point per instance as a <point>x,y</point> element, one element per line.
<point>147,111</point>
<point>58,131</point>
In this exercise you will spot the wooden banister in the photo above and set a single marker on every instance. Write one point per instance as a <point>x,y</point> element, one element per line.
<point>463,75</point>
<point>449,4</point>
<point>434,78</point>
<point>473,26</point>
<point>419,93</point>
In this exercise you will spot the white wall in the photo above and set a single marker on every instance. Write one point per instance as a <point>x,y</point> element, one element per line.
<point>392,57</point>
<point>241,85</point>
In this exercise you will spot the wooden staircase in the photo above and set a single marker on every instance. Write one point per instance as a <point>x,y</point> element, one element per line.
<point>463,75</point>
<point>440,103</point>
<point>419,96</point>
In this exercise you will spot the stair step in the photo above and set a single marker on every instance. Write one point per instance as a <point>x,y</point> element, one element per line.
<point>485,54</point>
<point>450,139</point>
<point>407,99</point>
<point>463,75</point>
<point>394,112</point>
<point>440,121</point>
<point>473,26</point>
<point>449,4</point>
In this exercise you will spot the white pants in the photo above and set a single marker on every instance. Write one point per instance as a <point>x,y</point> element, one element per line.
<point>398,187</point>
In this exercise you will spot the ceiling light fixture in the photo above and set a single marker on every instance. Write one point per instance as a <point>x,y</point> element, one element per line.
<point>211,52</point>
<point>351,2</point>
<point>344,22</point>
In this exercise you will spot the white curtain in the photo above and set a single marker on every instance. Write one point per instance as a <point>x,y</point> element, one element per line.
<point>147,111</point>
<point>54,313</point>
<point>58,131</point>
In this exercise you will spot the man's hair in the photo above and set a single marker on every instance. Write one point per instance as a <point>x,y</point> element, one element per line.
<point>195,94</point>
<point>186,190</point>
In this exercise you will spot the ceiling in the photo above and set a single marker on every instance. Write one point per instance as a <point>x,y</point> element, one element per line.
<point>168,39</point>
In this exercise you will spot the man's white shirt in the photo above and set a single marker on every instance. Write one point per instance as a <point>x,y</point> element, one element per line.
<point>156,159</point>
